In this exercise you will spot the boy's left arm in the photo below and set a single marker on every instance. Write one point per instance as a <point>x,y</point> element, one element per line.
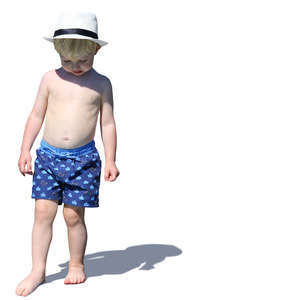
<point>108,132</point>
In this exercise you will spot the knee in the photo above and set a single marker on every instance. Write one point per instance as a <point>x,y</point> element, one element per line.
<point>72,217</point>
<point>44,214</point>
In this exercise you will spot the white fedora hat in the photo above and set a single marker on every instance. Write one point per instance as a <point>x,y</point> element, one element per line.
<point>76,25</point>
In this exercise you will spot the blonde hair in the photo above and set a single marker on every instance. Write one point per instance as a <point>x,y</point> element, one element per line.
<point>74,48</point>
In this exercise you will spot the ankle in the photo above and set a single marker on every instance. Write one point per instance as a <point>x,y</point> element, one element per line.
<point>76,264</point>
<point>38,271</point>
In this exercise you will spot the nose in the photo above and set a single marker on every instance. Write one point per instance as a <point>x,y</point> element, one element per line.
<point>75,67</point>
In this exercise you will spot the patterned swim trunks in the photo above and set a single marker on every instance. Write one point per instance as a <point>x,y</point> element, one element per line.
<point>71,176</point>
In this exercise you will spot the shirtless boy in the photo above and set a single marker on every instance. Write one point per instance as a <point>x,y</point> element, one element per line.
<point>68,166</point>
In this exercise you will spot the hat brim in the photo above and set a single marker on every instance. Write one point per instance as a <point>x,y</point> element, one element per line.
<point>75,36</point>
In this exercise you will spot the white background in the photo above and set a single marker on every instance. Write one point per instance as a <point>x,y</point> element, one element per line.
<point>206,100</point>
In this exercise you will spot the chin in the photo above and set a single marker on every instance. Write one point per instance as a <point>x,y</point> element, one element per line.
<point>78,74</point>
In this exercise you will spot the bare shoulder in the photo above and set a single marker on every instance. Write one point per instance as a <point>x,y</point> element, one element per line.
<point>102,79</point>
<point>44,82</point>
<point>48,77</point>
<point>49,74</point>
<point>105,87</point>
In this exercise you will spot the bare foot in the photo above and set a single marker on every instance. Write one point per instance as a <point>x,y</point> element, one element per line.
<point>31,282</point>
<point>76,274</point>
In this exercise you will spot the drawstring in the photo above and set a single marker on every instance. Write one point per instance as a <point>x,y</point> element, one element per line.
<point>73,157</point>
<point>68,156</point>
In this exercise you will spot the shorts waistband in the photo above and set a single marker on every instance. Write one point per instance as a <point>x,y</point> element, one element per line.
<point>65,152</point>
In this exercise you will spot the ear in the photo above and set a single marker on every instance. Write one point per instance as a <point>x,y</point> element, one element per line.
<point>97,48</point>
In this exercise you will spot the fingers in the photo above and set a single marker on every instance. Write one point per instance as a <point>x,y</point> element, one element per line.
<point>25,170</point>
<point>29,170</point>
<point>108,176</point>
<point>21,166</point>
<point>111,175</point>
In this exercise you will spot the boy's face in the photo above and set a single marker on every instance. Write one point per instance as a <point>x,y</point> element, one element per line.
<point>78,66</point>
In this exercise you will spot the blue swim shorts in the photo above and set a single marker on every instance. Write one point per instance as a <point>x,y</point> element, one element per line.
<point>71,176</point>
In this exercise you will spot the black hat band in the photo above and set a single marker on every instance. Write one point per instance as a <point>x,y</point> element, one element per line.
<point>76,31</point>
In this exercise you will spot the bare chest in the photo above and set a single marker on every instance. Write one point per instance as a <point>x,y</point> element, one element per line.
<point>65,97</point>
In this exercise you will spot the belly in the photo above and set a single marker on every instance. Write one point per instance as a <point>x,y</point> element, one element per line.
<point>70,129</point>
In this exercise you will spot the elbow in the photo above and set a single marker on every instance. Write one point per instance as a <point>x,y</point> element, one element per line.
<point>108,123</point>
<point>36,118</point>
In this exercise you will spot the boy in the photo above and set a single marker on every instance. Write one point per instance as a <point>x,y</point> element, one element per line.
<point>67,167</point>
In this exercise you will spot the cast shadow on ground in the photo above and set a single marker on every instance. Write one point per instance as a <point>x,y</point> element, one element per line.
<point>120,261</point>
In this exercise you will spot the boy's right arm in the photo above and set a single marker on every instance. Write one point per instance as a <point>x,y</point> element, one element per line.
<point>34,124</point>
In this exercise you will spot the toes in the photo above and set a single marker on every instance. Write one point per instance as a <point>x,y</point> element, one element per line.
<point>19,291</point>
<point>80,279</point>
<point>67,280</point>
<point>74,279</point>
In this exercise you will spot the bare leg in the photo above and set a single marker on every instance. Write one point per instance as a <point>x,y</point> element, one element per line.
<point>44,215</point>
<point>77,237</point>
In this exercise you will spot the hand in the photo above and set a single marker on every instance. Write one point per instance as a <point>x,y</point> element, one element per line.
<point>25,159</point>
<point>111,172</point>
